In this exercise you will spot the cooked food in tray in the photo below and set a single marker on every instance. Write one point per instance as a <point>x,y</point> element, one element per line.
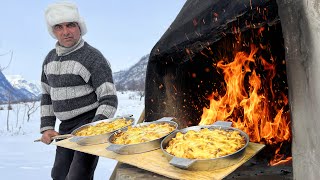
<point>205,144</point>
<point>104,127</point>
<point>145,133</point>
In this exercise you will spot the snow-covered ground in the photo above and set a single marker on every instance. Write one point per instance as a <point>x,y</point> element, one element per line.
<point>21,158</point>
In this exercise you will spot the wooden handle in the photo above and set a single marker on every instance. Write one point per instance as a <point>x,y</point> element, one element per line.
<point>37,140</point>
<point>65,136</point>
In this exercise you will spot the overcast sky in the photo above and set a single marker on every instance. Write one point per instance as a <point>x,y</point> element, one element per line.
<point>123,30</point>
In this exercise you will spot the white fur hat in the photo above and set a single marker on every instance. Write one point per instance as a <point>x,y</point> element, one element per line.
<point>62,12</point>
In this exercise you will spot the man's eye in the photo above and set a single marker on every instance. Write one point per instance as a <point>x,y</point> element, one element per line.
<point>71,25</point>
<point>57,27</point>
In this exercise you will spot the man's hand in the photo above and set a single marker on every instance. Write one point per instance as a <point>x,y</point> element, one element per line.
<point>47,135</point>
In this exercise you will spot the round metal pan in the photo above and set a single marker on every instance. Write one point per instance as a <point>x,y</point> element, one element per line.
<point>140,147</point>
<point>96,139</point>
<point>205,164</point>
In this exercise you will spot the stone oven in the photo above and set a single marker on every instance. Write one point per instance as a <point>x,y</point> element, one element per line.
<point>252,62</point>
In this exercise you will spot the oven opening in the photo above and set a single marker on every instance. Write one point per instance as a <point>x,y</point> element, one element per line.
<point>227,67</point>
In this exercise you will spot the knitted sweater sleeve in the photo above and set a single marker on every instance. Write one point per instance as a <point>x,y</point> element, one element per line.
<point>102,82</point>
<point>48,118</point>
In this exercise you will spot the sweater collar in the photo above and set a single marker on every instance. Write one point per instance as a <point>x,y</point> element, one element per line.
<point>63,51</point>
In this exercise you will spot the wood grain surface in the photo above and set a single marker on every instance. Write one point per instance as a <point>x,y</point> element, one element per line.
<point>156,162</point>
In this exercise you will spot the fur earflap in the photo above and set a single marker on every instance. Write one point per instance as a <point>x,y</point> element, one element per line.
<point>61,12</point>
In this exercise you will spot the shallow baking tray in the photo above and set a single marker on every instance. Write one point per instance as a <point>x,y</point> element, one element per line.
<point>140,147</point>
<point>205,164</point>
<point>94,139</point>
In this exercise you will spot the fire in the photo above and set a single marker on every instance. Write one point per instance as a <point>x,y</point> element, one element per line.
<point>249,100</point>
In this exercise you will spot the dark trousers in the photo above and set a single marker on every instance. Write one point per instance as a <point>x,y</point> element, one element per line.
<point>70,164</point>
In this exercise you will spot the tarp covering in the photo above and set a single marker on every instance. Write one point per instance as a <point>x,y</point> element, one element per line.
<point>203,22</point>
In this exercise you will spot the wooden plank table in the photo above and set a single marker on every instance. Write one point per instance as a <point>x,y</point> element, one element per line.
<point>156,162</point>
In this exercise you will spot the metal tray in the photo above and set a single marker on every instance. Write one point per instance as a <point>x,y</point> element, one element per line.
<point>140,147</point>
<point>205,164</point>
<point>96,139</point>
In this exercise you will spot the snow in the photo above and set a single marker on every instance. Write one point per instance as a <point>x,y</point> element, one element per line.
<point>21,158</point>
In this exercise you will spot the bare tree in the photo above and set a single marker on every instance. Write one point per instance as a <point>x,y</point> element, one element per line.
<point>8,94</point>
<point>24,113</point>
<point>8,118</point>
<point>17,110</point>
<point>120,87</point>
<point>9,97</point>
<point>31,108</point>
<point>141,94</point>
<point>140,88</point>
<point>11,56</point>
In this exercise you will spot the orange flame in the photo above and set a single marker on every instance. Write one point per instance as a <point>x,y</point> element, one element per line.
<point>249,106</point>
<point>279,158</point>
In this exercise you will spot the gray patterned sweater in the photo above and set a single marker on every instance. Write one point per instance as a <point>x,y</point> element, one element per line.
<point>75,83</point>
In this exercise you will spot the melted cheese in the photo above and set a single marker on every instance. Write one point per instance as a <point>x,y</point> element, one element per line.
<point>104,127</point>
<point>205,144</point>
<point>140,134</point>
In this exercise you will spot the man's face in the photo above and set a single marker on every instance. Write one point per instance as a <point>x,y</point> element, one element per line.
<point>68,34</point>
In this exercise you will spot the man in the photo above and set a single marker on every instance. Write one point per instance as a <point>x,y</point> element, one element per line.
<point>77,89</point>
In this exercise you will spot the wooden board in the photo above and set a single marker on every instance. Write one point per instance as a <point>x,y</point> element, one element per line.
<point>156,162</point>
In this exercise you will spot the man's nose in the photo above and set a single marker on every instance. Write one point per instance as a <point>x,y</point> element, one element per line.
<point>65,31</point>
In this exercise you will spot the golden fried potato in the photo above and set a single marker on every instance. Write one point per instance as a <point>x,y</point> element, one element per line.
<point>140,134</point>
<point>205,144</point>
<point>104,127</point>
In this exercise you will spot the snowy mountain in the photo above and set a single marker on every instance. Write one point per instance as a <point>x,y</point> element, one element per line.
<point>9,93</point>
<point>19,82</point>
<point>134,77</point>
